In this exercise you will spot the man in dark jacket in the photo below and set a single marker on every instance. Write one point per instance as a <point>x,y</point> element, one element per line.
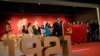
<point>57,28</point>
<point>93,30</point>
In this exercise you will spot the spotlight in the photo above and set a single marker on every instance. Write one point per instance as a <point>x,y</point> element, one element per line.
<point>39,3</point>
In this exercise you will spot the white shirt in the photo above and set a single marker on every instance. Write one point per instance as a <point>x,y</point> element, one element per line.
<point>30,31</point>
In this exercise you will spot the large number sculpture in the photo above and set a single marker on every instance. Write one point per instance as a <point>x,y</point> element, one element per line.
<point>39,46</point>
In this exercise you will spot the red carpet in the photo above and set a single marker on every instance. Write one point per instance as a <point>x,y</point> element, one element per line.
<point>87,49</point>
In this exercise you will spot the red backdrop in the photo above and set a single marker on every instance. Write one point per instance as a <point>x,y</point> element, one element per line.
<point>38,19</point>
<point>78,31</point>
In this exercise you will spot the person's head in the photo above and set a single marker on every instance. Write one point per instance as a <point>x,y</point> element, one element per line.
<point>39,28</point>
<point>7,21</point>
<point>91,21</point>
<point>47,24</point>
<point>82,22</point>
<point>23,26</point>
<point>74,23</point>
<point>96,21</point>
<point>88,22</point>
<point>69,23</point>
<point>42,26</point>
<point>61,22</point>
<point>78,22</point>
<point>33,26</point>
<point>29,24</point>
<point>58,20</point>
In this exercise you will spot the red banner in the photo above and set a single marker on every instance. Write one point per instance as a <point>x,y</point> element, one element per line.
<point>78,32</point>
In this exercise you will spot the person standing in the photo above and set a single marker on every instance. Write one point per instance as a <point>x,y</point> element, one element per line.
<point>35,30</point>
<point>8,29</point>
<point>30,30</point>
<point>24,30</point>
<point>97,30</point>
<point>60,28</point>
<point>88,32</point>
<point>42,30</point>
<point>56,27</point>
<point>47,30</point>
<point>92,30</point>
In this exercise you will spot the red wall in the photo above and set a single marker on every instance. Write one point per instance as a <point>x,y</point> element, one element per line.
<point>39,19</point>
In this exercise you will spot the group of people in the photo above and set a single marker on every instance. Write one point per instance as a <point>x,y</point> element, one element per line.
<point>93,31</point>
<point>56,29</point>
<point>44,30</point>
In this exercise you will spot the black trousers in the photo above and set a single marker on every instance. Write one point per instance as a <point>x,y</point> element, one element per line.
<point>88,37</point>
<point>97,35</point>
<point>93,36</point>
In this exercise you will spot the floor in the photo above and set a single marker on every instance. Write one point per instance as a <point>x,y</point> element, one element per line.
<point>87,49</point>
